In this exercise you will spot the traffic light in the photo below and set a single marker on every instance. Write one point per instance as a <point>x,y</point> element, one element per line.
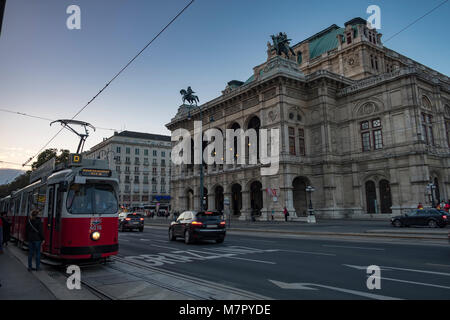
<point>2,10</point>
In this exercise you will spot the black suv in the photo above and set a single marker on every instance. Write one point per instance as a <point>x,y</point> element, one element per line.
<point>131,221</point>
<point>422,217</point>
<point>193,225</point>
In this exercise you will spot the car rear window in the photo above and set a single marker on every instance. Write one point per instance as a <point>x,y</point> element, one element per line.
<point>132,215</point>
<point>209,216</point>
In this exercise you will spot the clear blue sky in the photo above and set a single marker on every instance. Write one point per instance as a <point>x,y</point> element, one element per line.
<point>48,70</point>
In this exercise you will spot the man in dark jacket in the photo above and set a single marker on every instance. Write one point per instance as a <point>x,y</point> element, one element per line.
<point>34,236</point>
<point>6,229</point>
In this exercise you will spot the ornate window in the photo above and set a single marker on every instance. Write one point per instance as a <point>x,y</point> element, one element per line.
<point>427,128</point>
<point>301,141</point>
<point>291,140</point>
<point>371,135</point>
<point>447,130</point>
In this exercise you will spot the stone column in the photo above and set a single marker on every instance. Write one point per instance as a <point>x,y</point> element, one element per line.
<point>211,201</point>
<point>289,201</point>
<point>246,208</point>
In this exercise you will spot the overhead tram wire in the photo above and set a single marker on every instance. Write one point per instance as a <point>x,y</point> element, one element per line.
<point>18,164</point>
<point>109,82</point>
<point>415,21</point>
<point>42,118</point>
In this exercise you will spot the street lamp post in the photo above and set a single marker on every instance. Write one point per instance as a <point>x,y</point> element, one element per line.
<point>311,217</point>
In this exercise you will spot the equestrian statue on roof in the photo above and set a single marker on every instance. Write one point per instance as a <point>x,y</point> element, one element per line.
<point>188,95</point>
<point>281,45</point>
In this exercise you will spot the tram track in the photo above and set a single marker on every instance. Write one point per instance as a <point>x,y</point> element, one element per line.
<point>194,280</point>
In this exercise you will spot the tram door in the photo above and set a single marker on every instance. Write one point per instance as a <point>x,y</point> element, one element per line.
<point>52,235</point>
<point>50,221</point>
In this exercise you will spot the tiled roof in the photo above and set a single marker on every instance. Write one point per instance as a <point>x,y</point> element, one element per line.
<point>324,43</point>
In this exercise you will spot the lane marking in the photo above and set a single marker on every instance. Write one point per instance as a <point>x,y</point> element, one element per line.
<point>172,248</point>
<point>349,247</point>
<point>259,261</point>
<point>401,269</point>
<point>145,239</point>
<point>439,265</point>
<point>307,286</point>
<point>310,252</point>
<point>418,283</point>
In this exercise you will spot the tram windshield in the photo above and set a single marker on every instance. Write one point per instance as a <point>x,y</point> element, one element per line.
<point>92,198</point>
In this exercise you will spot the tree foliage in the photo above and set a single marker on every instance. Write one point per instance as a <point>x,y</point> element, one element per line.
<point>24,179</point>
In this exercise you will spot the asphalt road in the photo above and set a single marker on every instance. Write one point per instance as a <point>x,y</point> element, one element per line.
<point>300,267</point>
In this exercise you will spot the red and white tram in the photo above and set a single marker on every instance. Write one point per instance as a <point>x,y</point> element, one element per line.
<point>78,207</point>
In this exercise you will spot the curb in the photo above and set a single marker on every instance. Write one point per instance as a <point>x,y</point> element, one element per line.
<point>366,235</point>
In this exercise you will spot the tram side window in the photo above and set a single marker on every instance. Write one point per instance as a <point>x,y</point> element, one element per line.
<point>38,198</point>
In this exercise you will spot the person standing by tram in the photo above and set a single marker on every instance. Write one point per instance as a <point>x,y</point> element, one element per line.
<point>6,229</point>
<point>34,236</point>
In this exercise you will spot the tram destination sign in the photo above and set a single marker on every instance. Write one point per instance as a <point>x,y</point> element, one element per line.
<point>95,173</point>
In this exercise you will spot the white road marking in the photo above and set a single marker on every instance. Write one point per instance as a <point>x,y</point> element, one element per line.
<point>439,265</point>
<point>259,261</point>
<point>348,247</point>
<point>401,269</point>
<point>155,245</point>
<point>418,283</point>
<point>309,252</point>
<point>144,239</point>
<point>307,286</point>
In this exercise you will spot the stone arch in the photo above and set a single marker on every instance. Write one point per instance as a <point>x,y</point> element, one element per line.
<point>255,190</point>
<point>447,111</point>
<point>425,102</point>
<point>369,107</point>
<point>300,196</point>
<point>218,197</point>
<point>236,198</point>
<point>385,196</point>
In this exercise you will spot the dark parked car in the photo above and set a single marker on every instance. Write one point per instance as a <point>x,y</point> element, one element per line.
<point>193,225</point>
<point>131,221</point>
<point>432,218</point>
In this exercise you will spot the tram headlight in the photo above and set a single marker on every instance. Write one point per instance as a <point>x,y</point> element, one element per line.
<point>95,235</point>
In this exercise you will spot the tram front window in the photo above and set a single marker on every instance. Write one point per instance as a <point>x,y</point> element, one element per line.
<point>91,198</point>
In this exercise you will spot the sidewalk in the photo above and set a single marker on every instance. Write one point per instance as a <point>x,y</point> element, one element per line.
<point>343,227</point>
<point>17,283</point>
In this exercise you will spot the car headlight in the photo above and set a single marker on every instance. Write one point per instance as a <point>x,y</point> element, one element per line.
<point>95,235</point>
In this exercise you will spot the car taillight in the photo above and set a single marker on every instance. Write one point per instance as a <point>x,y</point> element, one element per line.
<point>223,223</point>
<point>196,223</point>
<point>444,217</point>
<point>142,219</point>
<point>128,219</point>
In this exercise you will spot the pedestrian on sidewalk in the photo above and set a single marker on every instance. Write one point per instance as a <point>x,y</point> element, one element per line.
<point>420,206</point>
<point>286,214</point>
<point>35,236</point>
<point>6,229</point>
<point>447,206</point>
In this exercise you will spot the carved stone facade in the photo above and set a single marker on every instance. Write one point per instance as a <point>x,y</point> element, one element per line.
<point>367,127</point>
